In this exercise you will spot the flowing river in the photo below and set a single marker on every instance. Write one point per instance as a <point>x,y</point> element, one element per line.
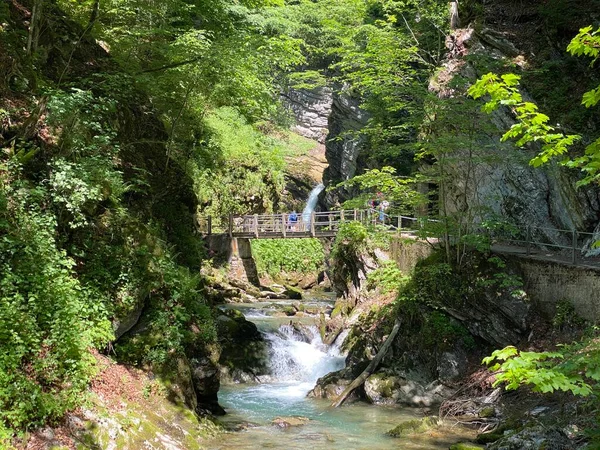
<point>296,362</point>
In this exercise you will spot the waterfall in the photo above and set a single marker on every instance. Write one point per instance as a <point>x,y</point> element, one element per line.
<point>301,358</point>
<point>312,202</point>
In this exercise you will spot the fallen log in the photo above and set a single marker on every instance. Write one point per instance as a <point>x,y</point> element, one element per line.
<point>370,368</point>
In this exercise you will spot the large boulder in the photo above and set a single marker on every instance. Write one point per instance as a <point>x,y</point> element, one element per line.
<point>384,388</point>
<point>206,379</point>
<point>244,352</point>
<point>332,385</point>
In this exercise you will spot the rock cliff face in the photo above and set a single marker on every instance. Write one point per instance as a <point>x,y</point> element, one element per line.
<point>344,141</point>
<point>331,116</point>
<point>501,182</point>
<point>311,109</point>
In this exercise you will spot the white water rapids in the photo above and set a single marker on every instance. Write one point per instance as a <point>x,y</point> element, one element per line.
<point>301,360</point>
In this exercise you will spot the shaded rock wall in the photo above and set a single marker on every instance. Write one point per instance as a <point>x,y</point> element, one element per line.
<point>501,183</point>
<point>344,141</point>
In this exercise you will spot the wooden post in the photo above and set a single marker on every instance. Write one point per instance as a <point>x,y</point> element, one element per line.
<point>256,225</point>
<point>230,227</point>
<point>283,224</point>
<point>342,215</point>
<point>209,225</point>
<point>355,215</point>
<point>312,224</point>
<point>574,256</point>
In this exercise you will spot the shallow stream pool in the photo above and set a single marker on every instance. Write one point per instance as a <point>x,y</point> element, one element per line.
<point>296,363</point>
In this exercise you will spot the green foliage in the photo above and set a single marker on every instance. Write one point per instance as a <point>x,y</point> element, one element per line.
<point>48,320</point>
<point>532,126</point>
<point>442,332</point>
<point>350,240</point>
<point>565,316</point>
<point>277,256</point>
<point>247,177</point>
<point>387,278</point>
<point>177,319</point>
<point>400,191</point>
<point>542,370</point>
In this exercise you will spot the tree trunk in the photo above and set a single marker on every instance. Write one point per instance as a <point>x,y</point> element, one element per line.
<point>454,17</point>
<point>371,367</point>
<point>34,33</point>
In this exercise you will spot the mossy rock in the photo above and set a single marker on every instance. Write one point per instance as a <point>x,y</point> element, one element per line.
<point>293,293</point>
<point>289,311</point>
<point>465,446</point>
<point>487,438</point>
<point>488,411</point>
<point>414,426</point>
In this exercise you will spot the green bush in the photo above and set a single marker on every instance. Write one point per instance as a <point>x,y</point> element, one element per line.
<point>386,278</point>
<point>274,256</point>
<point>48,321</point>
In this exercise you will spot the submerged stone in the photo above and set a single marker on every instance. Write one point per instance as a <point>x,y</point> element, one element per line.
<point>286,422</point>
<point>414,426</point>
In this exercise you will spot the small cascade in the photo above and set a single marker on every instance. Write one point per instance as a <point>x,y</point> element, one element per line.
<point>311,203</point>
<point>301,357</point>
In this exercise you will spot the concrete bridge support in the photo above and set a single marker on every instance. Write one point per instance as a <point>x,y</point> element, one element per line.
<point>237,253</point>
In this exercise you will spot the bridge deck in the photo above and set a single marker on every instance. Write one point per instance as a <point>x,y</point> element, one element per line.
<point>286,226</point>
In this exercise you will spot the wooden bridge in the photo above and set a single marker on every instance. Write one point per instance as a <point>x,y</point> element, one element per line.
<point>317,224</point>
<point>549,244</point>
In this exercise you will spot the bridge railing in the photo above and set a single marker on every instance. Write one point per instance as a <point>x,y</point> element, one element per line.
<point>565,245</point>
<point>326,222</point>
<point>562,244</point>
<point>317,223</point>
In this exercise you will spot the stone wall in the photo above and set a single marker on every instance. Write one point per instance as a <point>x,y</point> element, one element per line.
<point>408,252</point>
<point>235,252</point>
<point>547,283</point>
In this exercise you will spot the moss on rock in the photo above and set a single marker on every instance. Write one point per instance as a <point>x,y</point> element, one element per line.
<point>414,426</point>
<point>465,446</point>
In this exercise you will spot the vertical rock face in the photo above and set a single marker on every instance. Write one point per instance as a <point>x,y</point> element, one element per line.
<point>311,109</point>
<point>344,141</point>
<point>496,179</point>
<point>331,116</point>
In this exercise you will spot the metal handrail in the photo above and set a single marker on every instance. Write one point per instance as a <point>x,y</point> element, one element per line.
<point>327,223</point>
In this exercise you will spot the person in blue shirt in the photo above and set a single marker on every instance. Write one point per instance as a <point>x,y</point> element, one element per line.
<point>292,220</point>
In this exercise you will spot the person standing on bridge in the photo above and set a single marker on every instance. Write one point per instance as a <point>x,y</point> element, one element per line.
<point>292,221</point>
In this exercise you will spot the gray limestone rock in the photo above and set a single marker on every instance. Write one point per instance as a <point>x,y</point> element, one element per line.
<point>384,388</point>
<point>345,141</point>
<point>534,438</point>
<point>311,109</point>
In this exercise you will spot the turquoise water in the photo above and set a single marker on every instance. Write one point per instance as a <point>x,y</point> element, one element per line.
<point>296,363</point>
<point>354,426</point>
